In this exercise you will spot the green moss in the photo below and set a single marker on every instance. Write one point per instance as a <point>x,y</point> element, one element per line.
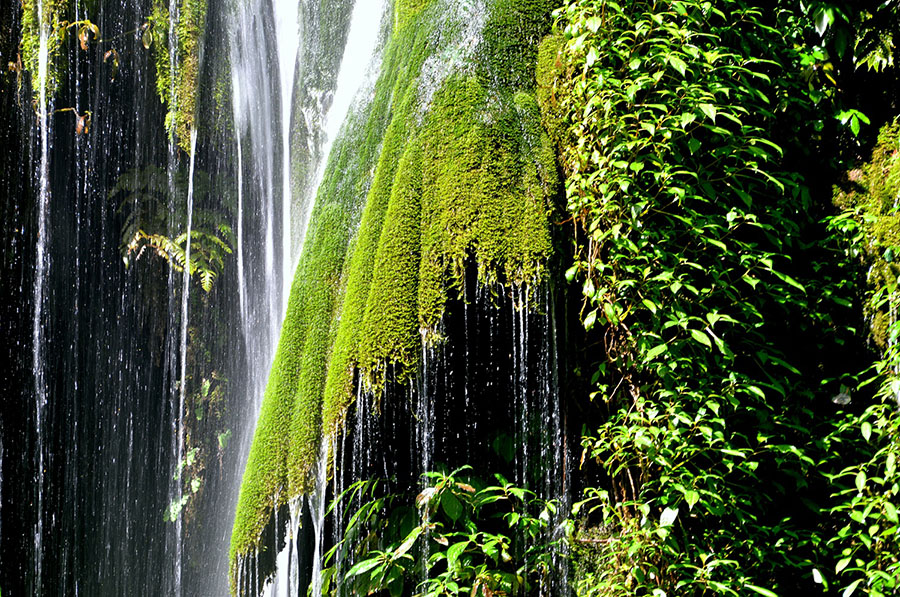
<point>550,68</point>
<point>400,67</point>
<point>406,10</point>
<point>869,194</point>
<point>180,98</point>
<point>412,194</point>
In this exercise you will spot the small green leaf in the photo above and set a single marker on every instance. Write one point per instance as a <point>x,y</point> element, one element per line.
<point>860,480</point>
<point>702,338</point>
<point>890,512</point>
<point>761,590</point>
<point>866,429</point>
<point>691,497</point>
<point>841,565</point>
<point>590,319</point>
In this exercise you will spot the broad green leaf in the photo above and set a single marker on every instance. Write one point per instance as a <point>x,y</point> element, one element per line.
<point>454,551</point>
<point>709,110</point>
<point>362,567</point>
<point>655,352</point>
<point>866,429</point>
<point>860,480</point>
<point>852,588</point>
<point>841,565</point>
<point>668,517</point>
<point>451,505</point>
<point>677,63</point>
<point>408,542</point>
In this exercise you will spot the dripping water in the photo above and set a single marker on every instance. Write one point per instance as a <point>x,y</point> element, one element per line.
<point>239,240</point>
<point>317,501</point>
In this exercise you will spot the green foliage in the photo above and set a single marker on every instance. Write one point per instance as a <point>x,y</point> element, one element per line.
<point>472,538</point>
<point>688,220</point>
<point>865,30</point>
<point>151,224</point>
<point>52,19</point>
<point>871,225</point>
<point>868,491</point>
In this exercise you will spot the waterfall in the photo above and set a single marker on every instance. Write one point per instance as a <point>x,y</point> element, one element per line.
<point>356,69</point>
<point>287,36</point>
<point>143,384</point>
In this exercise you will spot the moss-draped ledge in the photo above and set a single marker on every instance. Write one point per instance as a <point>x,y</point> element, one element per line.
<point>412,193</point>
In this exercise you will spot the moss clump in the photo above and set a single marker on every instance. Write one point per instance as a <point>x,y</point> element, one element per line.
<point>406,10</point>
<point>430,176</point>
<point>52,17</point>
<point>869,196</point>
<point>180,98</point>
<point>550,67</point>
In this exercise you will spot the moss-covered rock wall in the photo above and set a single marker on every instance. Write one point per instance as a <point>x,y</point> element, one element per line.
<point>447,167</point>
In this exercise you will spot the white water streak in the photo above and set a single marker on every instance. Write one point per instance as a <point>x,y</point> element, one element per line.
<point>242,285</point>
<point>356,65</point>
<point>182,389</point>
<point>41,271</point>
<point>287,37</point>
<point>317,500</point>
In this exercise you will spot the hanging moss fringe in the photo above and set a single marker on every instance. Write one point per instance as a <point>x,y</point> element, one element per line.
<point>422,182</point>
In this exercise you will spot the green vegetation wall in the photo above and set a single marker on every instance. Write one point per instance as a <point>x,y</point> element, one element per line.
<point>447,165</point>
<point>740,443</point>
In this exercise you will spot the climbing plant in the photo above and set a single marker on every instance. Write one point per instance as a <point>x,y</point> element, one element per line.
<point>678,122</point>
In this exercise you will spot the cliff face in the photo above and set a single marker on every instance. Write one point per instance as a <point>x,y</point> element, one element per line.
<point>441,168</point>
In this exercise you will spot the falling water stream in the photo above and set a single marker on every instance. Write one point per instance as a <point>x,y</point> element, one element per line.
<point>42,265</point>
<point>136,369</point>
